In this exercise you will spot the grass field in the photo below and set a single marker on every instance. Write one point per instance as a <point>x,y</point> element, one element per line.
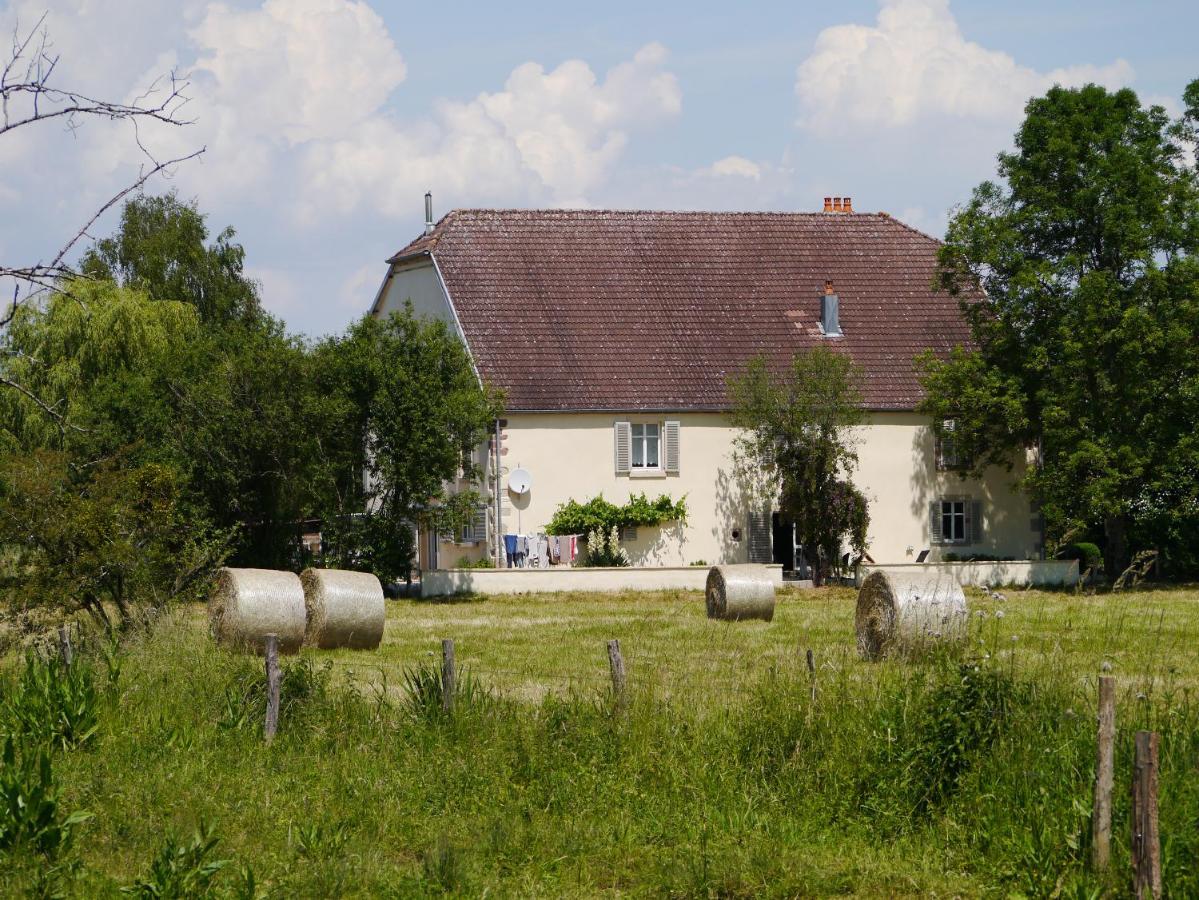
<point>727,774</point>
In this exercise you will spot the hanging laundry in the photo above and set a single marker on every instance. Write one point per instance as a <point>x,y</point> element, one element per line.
<point>555,552</point>
<point>510,549</point>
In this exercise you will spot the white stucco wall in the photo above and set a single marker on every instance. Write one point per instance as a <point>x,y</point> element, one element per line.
<point>419,283</point>
<point>570,456</point>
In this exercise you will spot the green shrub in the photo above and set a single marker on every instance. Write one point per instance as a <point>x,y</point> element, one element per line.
<point>465,562</point>
<point>597,513</point>
<point>1089,555</point>
<point>53,702</point>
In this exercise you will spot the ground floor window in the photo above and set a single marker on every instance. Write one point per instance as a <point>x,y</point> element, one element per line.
<point>953,521</point>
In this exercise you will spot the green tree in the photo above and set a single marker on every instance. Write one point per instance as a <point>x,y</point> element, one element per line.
<point>1077,272</point>
<point>148,380</point>
<point>96,538</point>
<point>401,414</point>
<point>796,449</point>
<point>160,249</point>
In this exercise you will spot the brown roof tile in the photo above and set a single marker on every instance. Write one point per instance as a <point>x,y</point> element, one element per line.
<point>623,311</point>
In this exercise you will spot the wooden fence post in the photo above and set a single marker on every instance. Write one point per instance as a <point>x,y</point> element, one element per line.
<point>616,664</point>
<point>449,675</point>
<point>272,687</point>
<point>1146,845</point>
<point>812,672</point>
<point>1101,814</point>
<point>64,645</point>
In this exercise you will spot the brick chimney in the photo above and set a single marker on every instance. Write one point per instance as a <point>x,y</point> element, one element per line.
<point>836,204</point>
<point>847,205</point>
<point>828,204</point>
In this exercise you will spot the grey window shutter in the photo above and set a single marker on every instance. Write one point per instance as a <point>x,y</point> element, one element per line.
<point>935,535</point>
<point>624,448</point>
<point>480,525</point>
<point>760,550</point>
<point>670,444</point>
<point>975,509</point>
<point>939,457</point>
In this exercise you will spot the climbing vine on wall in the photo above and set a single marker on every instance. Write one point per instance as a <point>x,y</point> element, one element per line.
<point>573,517</point>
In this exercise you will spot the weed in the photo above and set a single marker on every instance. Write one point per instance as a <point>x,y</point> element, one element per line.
<point>30,817</point>
<point>52,702</point>
<point>181,871</point>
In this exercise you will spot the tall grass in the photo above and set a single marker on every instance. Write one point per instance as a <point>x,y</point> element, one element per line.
<point>964,775</point>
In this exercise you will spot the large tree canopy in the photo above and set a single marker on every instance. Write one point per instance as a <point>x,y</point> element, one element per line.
<point>1078,274</point>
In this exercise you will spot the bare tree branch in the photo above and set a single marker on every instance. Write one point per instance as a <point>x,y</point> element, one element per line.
<point>27,97</point>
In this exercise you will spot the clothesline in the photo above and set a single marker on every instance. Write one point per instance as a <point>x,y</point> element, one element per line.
<point>540,551</point>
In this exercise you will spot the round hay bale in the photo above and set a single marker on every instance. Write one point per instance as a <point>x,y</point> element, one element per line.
<point>740,592</point>
<point>248,604</point>
<point>906,613</point>
<point>345,609</point>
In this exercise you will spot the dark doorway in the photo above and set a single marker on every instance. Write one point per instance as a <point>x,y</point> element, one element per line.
<point>782,533</point>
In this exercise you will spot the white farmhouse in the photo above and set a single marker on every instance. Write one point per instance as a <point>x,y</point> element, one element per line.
<point>613,334</point>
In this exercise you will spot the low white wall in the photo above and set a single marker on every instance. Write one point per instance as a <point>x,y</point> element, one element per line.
<point>1038,572</point>
<point>440,582</point>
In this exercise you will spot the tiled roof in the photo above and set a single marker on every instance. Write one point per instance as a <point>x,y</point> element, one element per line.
<point>623,311</point>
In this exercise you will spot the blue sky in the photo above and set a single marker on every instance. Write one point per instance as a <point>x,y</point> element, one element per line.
<point>325,120</point>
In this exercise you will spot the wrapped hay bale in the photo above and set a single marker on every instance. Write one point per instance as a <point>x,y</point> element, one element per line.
<point>248,604</point>
<point>345,609</point>
<point>740,592</point>
<point>905,613</point>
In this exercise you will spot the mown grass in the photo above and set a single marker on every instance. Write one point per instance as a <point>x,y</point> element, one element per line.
<point>728,773</point>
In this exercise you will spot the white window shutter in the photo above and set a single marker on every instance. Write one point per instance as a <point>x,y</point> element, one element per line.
<point>670,445</point>
<point>935,535</point>
<point>624,448</point>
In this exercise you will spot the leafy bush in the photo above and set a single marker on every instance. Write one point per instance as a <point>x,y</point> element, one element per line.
<point>597,513</point>
<point>605,552</point>
<point>1089,555</point>
<point>29,806</point>
<point>466,563</point>
<point>52,702</point>
<point>181,871</point>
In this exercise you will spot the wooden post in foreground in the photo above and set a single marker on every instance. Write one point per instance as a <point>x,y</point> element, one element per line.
<point>616,664</point>
<point>64,645</point>
<point>812,672</point>
<point>272,687</point>
<point>449,675</point>
<point>1146,844</point>
<point>1101,813</point>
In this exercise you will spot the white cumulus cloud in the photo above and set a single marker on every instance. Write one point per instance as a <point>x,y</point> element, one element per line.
<point>737,167</point>
<point>915,63</point>
<point>547,137</point>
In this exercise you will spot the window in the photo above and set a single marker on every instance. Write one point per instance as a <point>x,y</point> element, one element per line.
<point>956,520</point>
<point>948,455</point>
<point>953,521</point>
<point>646,439</point>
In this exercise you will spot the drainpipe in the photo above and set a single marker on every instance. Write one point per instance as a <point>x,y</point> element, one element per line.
<point>499,505</point>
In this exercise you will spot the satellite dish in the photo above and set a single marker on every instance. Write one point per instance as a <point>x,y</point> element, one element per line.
<point>520,481</point>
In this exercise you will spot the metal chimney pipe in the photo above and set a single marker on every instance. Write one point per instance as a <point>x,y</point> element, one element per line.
<point>428,212</point>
